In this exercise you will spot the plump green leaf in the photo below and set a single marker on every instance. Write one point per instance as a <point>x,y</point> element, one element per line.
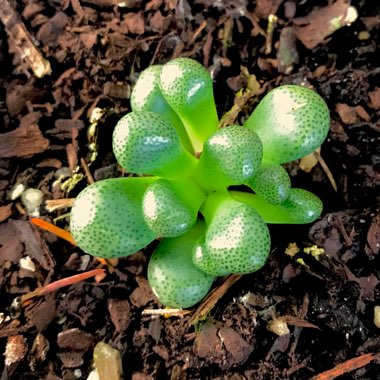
<point>171,207</point>
<point>237,239</point>
<point>106,219</point>
<point>291,121</point>
<point>187,87</point>
<point>230,156</point>
<point>300,207</point>
<point>173,277</point>
<point>146,96</point>
<point>145,143</point>
<point>271,182</point>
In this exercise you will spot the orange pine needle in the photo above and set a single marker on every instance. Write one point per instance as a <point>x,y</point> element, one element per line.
<point>347,366</point>
<point>52,287</point>
<point>63,234</point>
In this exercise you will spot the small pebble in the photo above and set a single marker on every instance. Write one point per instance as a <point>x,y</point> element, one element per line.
<point>364,35</point>
<point>93,375</point>
<point>32,199</point>
<point>278,326</point>
<point>27,263</point>
<point>107,361</point>
<point>376,318</point>
<point>16,191</point>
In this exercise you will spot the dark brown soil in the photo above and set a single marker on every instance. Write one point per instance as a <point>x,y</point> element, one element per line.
<point>96,50</point>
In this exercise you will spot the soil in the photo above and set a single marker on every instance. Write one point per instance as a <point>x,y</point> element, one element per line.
<point>297,318</point>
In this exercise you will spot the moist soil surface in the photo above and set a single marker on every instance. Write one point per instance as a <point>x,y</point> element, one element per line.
<point>302,315</point>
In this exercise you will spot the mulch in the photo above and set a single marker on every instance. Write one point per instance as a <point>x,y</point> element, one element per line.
<point>67,72</point>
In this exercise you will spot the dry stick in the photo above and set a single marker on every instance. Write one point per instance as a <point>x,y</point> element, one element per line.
<point>343,231</point>
<point>347,366</point>
<point>241,99</point>
<point>52,287</point>
<point>90,178</point>
<point>211,300</point>
<point>197,32</point>
<point>326,169</point>
<point>21,39</point>
<point>58,204</point>
<point>167,312</point>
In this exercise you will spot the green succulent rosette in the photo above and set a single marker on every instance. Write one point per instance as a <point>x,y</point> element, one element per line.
<point>206,193</point>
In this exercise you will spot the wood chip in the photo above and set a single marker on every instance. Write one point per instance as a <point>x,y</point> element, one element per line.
<point>25,141</point>
<point>22,41</point>
<point>373,235</point>
<point>321,22</point>
<point>375,98</point>
<point>5,212</point>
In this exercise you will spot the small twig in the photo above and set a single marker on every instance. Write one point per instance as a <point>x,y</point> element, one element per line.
<point>272,20</point>
<point>211,300</point>
<point>343,231</point>
<point>21,39</point>
<point>197,32</point>
<point>240,100</point>
<point>63,234</point>
<point>90,178</point>
<point>167,312</point>
<point>347,366</point>
<point>326,169</point>
<point>58,204</point>
<point>52,287</point>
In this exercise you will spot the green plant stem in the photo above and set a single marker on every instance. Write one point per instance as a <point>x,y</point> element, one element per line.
<point>212,204</point>
<point>184,166</point>
<point>202,178</point>
<point>300,208</point>
<point>197,129</point>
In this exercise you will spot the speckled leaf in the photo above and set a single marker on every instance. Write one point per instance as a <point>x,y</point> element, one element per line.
<point>230,156</point>
<point>106,219</point>
<point>300,207</point>
<point>203,260</point>
<point>171,207</point>
<point>145,143</point>
<point>237,240</point>
<point>174,279</point>
<point>146,96</point>
<point>291,121</point>
<point>271,182</point>
<point>187,87</point>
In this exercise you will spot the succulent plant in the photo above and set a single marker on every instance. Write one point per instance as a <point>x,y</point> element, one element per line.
<point>188,166</point>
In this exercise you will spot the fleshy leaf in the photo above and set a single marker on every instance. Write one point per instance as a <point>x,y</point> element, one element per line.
<point>171,207</point>
<point>187,87</point>
<point>173,277</point>
<point>271,182</point>
<point>300,207</point>
<point>145,143</point>
<point>106,219</point>
<point>291,121</point>
<point>237,238</point>
<point>203,260</point>
<point>146,96</point>
<point>230,156</point>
